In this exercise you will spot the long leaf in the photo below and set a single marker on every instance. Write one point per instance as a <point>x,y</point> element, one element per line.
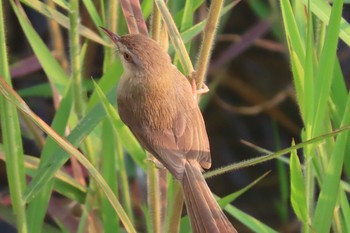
<point>252,223</point>
<point>329,190</point>
<point>298,195</point>
<point>11,136</point>
<point>326,64</point>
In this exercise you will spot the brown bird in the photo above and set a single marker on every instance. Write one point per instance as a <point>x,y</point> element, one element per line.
<point>155,100</point>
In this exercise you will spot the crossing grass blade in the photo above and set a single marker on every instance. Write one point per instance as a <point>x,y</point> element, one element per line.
<point>298,195</point>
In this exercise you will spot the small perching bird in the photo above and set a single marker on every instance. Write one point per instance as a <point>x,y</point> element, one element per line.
<point>155,100</point>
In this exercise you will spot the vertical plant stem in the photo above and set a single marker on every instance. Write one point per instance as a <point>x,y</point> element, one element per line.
<point>111,23</point>
<point>56,36</point>
<point>124,180</point>
<point>75,58</point>
<point>76,76</point>
<point>58,45</point>
<point>108,169</point>
<point>153,196</point>
<point>208,41</point>
<point>175,37</point>
<point>153,179</point>
<point>176,209</point>
<point>155,23</point>
<point>12,139</point>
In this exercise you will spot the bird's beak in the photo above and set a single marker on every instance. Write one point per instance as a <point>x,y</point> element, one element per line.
<point>114,37</point>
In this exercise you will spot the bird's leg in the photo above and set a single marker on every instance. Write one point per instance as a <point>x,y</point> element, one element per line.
<point>202,90</point>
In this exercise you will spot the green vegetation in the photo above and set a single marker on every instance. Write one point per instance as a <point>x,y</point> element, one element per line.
<point>87,131</point>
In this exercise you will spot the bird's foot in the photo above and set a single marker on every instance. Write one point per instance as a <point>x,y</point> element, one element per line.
<point>202,90</point>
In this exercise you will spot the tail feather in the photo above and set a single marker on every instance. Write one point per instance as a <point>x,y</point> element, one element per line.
<point>204,212</point>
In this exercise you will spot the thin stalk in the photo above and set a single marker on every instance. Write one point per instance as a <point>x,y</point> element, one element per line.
<point>57,39</point>
<point>12,141</point>
<point>153,196</point>
<point>175,37</point>
<point>124,180</point>
<point>153,174</point>
<point>155,23</point>
<point>264,158</point>
<point>176,208</point>
<point>76,76</point>
<point>108,169</point>
<point>75,58</point>
<point>58,45</point>
<point>309,189</point>
<point>111,23</point>
<point>208,41</point>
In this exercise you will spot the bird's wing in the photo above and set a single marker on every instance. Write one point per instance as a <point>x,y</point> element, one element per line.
<point>185,140</point>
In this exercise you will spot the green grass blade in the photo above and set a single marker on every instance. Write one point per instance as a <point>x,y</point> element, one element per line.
<point>91,9</point>
<point>108,167</point>
<point>324,73</point>
<point>231,197</point>
<point>338,96</point>
<point>11,136</point>
<point>123,174</point>
<point>146,7</point>
<point>40,90</point>
<point>179,14</point>
<point>252,223</point>
<point>292,33</point>
<point>187,17</point>
<point>300,16</point>
<point>298,194</point>
<point>329,191</point>
<point>308,92</point>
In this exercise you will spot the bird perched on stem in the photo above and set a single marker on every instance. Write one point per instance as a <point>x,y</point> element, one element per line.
<point>155,100</point>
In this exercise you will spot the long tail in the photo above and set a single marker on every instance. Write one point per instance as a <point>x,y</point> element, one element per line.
<point>205,214</point>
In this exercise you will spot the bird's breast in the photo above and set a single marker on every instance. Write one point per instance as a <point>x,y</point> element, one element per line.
<point>142,105</point>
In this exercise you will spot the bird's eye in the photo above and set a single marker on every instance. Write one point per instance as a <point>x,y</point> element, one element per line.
<point>127,57</point>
